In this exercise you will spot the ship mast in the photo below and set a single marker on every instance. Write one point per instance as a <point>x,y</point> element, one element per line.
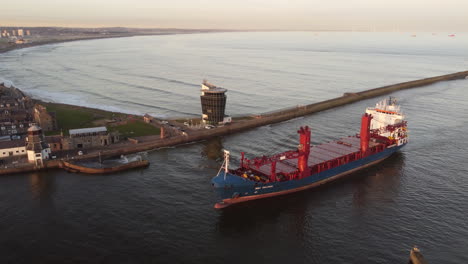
<point>226,161</point>
<point>225,164</point>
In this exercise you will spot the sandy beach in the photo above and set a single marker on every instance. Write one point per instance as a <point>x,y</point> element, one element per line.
<point>59,35</point>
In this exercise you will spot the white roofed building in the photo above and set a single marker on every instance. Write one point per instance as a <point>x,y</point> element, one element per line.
<point>87,131</point>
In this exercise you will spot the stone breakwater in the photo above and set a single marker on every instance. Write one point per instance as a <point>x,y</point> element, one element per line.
<point>280,116</point>
<point>260,120</point>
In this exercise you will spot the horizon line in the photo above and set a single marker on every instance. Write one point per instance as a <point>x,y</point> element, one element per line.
<point>231,30</point>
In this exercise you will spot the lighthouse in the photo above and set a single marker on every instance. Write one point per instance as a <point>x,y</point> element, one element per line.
<point>36,147</point>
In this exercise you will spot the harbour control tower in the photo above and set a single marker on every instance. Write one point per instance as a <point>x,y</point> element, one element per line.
<point>213,102</point>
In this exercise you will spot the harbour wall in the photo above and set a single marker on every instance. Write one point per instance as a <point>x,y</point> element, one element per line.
<point>50,164</point>
<point>287,114</point>
<point>280,116</point>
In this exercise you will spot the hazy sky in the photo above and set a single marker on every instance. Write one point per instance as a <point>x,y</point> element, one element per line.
<point>429,15</point>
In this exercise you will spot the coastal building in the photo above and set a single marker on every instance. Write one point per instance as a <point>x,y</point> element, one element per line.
<point>15,111</point>
<point>14,121</point>
<point>13,129</point>
<point>11,97</point>
<point>28,33</point>
<point>90,137</point>
<point>20,32</point>
<point>213,103</point>
<point>55,142</point>
<point>15,115</point>
<point>36,147</point>
<point>11,148</point>
<point>46,120</point>
<point>8,103</point>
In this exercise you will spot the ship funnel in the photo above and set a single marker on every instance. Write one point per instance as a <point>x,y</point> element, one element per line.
<point>365,132</point>
<point>304,151</point>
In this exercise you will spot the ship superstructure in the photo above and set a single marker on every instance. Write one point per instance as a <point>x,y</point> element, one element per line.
<point>383,131</point>
<point>387,113</point>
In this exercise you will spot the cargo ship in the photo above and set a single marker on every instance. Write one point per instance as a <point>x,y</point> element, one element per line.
<point>383,132</point>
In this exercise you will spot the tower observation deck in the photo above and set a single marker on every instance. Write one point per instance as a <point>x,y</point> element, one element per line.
<point>213,102</point>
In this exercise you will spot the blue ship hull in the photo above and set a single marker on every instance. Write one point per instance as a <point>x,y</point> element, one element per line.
<point>234,189</point>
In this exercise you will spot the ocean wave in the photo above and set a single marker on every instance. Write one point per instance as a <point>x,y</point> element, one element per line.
<point>57,77</point>
<point>74,99</point>
<point>165,79</point>
<point>263,69</point>
<point>37,91</point>
<point>6,83</point>
<point>129,84</point>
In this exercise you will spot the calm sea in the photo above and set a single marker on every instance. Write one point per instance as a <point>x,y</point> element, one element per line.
<point>163,214</point>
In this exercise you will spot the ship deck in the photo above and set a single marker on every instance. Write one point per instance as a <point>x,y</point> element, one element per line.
<point>319,154</point>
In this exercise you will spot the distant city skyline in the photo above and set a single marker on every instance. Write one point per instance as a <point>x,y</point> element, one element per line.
<point>368,15</point>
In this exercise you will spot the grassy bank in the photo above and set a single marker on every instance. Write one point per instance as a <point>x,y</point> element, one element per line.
<point>135,128</point>
<point>72,116</point>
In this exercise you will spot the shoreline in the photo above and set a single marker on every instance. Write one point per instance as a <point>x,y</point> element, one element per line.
<point>48,42</point>
<point>71,38</point>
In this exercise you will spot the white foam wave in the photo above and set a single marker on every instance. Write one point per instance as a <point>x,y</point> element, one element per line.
<point>6,83</point>
<point>75,99</point>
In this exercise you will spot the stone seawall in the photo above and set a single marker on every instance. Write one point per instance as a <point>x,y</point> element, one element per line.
<point>51,164</point>
<point>280,116</point>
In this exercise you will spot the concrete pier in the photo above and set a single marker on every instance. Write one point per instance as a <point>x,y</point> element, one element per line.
<point>283,115</point>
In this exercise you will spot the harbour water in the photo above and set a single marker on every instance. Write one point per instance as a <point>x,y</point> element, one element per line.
<point>164,213</point>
